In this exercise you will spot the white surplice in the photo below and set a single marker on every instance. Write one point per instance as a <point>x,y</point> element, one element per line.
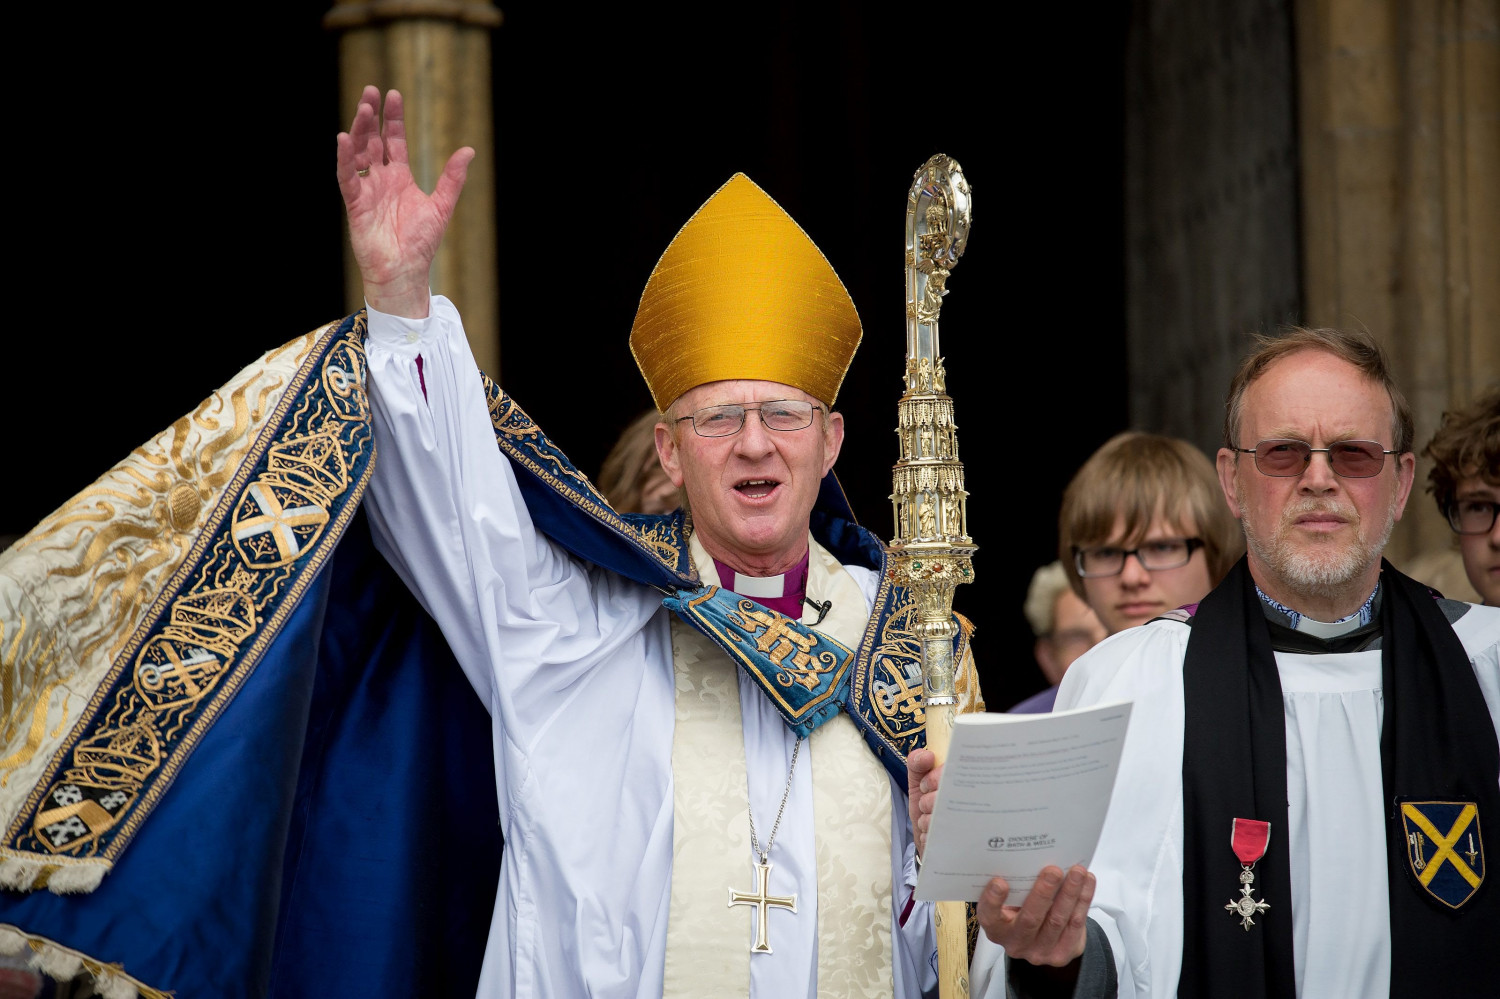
<point>1340,904</point>
<point>575,666</point>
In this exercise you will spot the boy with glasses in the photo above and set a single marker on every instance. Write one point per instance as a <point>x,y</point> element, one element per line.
<point>1312,757</point>
<point>1143,529</point>
<point>1465,481</point>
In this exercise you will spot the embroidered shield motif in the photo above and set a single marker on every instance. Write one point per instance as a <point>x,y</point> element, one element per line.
<point>74,815</point>
<point>1444,848</point>
<point>173,672</point>
<point>276,522</point>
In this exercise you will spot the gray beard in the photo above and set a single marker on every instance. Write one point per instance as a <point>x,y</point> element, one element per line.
<point>1316,572</point>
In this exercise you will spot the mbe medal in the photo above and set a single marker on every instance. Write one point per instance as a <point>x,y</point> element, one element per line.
<point>1249,840</point>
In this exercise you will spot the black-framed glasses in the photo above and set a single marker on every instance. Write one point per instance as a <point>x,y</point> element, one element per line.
<point>778,414</point>
<point>1154,556</point>
<point>1350,459</point>
<point>1472,516</point>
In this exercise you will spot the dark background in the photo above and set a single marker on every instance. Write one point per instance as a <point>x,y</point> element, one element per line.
<point>180,217</point>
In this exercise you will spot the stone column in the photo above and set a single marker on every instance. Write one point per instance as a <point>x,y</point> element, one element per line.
<point>1399,105</point>
<point>1210,202</point>
<point>437,53</point>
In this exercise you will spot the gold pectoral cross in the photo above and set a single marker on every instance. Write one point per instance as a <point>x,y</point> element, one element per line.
<point>762,902</point>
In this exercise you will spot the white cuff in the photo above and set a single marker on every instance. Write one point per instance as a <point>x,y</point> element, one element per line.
<point>401,335</point>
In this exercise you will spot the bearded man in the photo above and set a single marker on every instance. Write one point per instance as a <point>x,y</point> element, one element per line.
<point>1333,725</point>
<point>704,795</point>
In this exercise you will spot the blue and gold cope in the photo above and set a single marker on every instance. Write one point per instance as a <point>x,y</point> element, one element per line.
<point>288,504</point>
<point>807,675</point>
<point>285,730</point>
<point>279,764</point>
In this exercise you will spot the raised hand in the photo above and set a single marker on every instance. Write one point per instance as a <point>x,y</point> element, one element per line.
<point>394,227</point>
<point>1050,927</point>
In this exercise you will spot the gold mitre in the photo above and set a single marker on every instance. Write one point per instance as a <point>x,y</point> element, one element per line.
<point>742,292</point>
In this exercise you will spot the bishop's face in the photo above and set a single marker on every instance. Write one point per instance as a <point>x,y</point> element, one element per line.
<point>751,493</point>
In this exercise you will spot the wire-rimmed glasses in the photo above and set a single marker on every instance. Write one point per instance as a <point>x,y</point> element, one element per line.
<point>777,414</point>
<point>1349,459</point>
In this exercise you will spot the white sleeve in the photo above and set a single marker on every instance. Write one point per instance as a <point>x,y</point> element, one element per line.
<point>523,618</point>
<point>1479,631</point>
<point>916,936</point>
<point>1138,863</point>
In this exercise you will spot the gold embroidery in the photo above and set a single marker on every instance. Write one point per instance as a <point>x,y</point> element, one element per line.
<point>122,756</point>
<point>344,376</point>
<point>232,582</point>
<point>183,504</point>
<point>896,686</point>
<point>966,680</point>
<point>137,521</point>
<point>887,680</point>
<point>902,696</point>
<point>110,769</point>
<point>663,540</point>
<point>179,666</point>
<point>780,641</point>
<point>512,423</point>
<point>284,511</point>
<point>26,692</point>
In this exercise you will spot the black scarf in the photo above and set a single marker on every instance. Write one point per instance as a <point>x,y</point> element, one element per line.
<point>1437,743</point>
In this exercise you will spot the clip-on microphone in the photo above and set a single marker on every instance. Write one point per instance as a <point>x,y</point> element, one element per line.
<point>822,609</point>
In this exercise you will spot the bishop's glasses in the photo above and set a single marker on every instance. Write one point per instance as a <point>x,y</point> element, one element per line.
<point>778,414</point>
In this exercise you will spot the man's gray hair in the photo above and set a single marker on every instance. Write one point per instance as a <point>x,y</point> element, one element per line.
<point>1047,584</point>
<point>1357,347</point>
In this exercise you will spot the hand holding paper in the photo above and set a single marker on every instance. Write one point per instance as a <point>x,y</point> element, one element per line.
<point>1019,793</point>
<point>1050,928</point>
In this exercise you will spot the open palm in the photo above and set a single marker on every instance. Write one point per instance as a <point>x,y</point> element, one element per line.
<point>394,227</point>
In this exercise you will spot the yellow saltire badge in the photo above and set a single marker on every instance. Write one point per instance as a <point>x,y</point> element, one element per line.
<point>1444,848</point>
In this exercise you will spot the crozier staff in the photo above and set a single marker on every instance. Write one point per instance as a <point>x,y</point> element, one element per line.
<point>685,813</point>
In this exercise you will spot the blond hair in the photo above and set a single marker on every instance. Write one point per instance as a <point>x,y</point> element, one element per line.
<point>623,473</point>
<point>1132,479</point>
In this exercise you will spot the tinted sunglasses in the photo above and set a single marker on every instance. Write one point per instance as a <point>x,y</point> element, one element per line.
<point>1351,459</point>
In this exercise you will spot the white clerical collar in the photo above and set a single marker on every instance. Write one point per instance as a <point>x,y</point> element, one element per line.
<point>756,587</point>
<point>1325,630</point>
<point>1329,629</point>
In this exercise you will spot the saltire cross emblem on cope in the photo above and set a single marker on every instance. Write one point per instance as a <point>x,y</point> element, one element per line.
<point>1444,848</point>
